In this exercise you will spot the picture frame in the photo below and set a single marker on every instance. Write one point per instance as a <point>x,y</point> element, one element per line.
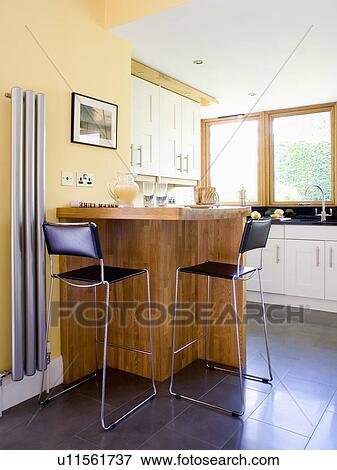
<point>93,121</point>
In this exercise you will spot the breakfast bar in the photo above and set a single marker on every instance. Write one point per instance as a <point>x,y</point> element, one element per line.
<point>160,240</point>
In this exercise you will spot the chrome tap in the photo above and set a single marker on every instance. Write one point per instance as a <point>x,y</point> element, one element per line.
<point>323,212</point>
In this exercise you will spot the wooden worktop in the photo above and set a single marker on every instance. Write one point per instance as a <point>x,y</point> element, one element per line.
<point>160,213</point>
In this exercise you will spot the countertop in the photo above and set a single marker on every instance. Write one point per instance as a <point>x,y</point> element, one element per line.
<point>160,213</point>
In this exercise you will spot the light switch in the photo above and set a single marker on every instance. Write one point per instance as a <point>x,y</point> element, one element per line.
<point>67,178</point>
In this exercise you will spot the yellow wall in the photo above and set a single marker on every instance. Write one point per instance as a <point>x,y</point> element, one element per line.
<point>118,12</point>
<point>95,63</point>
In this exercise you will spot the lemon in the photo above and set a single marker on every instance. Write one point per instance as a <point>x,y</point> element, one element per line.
<point>255,215</point>
<point>279,212</point>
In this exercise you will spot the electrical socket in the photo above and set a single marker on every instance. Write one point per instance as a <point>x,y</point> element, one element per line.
<point>85,179</point>
<point>67,178</point>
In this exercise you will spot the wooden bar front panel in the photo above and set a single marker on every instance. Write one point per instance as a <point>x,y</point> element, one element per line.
<point>161,246</point>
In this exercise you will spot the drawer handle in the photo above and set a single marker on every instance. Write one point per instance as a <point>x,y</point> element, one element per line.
<point>278,254</point>
<point>330,258</point>
<point>317,256</point>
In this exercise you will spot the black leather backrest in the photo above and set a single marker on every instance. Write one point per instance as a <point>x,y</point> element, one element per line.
<point>255,235</point>
<point>73,239</point>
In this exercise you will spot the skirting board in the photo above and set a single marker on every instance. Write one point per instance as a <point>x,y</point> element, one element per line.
<point>306,302</point>
<point>14,393</point>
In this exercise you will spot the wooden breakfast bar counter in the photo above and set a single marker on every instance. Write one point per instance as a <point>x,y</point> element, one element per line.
<point>159,239</point>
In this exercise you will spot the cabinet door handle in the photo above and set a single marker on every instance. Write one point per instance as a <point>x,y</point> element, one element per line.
<point>330,258</point>
<point>186,159</point>
<point>317,256</point>
<point>140,150</point>
<point>278,254</point>
<point>131,149</point>
<point>180,156</point>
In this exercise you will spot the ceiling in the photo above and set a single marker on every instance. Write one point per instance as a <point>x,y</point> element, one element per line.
<point>243,44</point>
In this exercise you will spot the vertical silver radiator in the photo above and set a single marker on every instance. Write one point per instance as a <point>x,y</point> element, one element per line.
<point>27,247</point>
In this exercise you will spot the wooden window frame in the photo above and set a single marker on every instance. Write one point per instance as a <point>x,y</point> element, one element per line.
<point>205,150</point>
<point>265,152</point>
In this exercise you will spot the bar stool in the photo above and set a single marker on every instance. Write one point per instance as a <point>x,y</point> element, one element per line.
<point>255,236</point>
<point>82,239</point>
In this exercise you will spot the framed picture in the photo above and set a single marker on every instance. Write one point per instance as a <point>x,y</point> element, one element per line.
<point>93,122</point>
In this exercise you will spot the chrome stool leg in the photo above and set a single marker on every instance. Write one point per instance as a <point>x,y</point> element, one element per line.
<point>105,426</point>
<point>50,396</point>
<point>177,351</point>
<point>265,328</point>
<point>255,378</point>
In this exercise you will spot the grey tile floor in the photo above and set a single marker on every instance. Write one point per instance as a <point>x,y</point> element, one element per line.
<point>299,411</point>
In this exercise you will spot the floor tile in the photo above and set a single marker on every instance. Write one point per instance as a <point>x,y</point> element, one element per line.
<point>227,395</point>
<point>196,379</point>
<point>168,439</point>
<point>138,427</point>
<point>209,425</point>
<point>317,366</point>
<point>15,416</point>
<point>295,405</point>
<point>52,424</point>
<point>121,387</point>
<point>76,443</point>
<point>325,435</point>
<point>255,435</point>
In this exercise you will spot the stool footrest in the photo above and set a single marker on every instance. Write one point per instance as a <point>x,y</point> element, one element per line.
<point>255,378</point>
<point>209,405</point>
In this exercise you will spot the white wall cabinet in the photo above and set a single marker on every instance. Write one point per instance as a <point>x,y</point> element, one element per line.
<point>171,158</point>
<point>273,267</point>
<point>331,270</point>
<point>190,139</point>
<point>166,133</point>
<point>145,127</point>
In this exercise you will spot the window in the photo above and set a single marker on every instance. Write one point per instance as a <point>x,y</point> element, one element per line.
<point>234,158</point>
<point>301,156</point>
<point>275,155</point>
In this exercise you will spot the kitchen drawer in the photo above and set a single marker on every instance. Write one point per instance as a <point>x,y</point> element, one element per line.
<point>310,232</point>
<point>276,231</point>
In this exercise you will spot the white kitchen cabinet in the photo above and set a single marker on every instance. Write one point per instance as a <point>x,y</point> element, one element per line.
<point>273,267</point>
<point>165,133</point>
<point>304,261</point>
<point>190,139</point>
<point>145,127</point>
<point>171,157</point>
<point>331,270</point>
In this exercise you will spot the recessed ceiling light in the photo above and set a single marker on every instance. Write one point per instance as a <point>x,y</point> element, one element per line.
<point>140,73</point>
<point>252,93</point>
<point>198,62</point>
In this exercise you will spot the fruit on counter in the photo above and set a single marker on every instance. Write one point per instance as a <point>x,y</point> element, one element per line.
<point>279,211</point>
<point>255,215</point>
<point>275,216</point>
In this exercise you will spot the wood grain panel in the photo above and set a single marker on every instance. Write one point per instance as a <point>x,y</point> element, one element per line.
<point>160,246</point>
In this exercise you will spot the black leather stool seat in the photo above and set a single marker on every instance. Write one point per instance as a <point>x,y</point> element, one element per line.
<point>217,269</point>
<point>93,274</point>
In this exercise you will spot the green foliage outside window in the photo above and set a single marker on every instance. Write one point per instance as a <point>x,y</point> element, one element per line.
<point>300,164</point>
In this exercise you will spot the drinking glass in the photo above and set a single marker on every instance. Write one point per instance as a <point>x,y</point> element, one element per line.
<point>161,194</point>
<point>148,192</point>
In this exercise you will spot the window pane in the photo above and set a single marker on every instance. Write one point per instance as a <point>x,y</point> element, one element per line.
<point>238,163</point>
<point>302,156</point>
